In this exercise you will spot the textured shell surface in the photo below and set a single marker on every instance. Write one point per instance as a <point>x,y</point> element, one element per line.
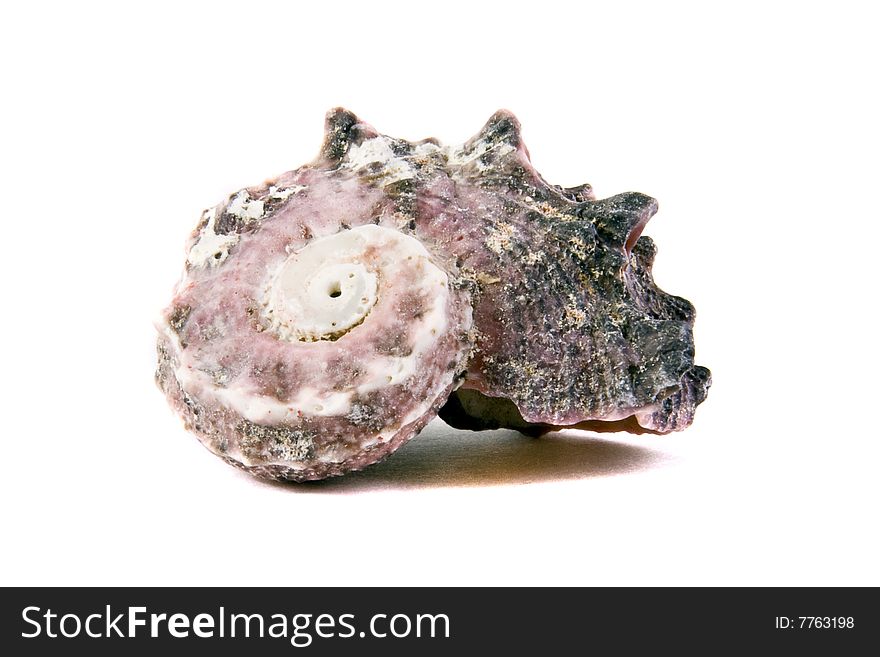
<point>325,316</point>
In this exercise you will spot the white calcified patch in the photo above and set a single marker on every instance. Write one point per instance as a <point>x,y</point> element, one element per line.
<point>458,156</point>
<point>499,237</point>
<point>425,149</point>
<point>210,249</point>
<point>282,194</point>
<point>377,151</point>
<point>244,207</point>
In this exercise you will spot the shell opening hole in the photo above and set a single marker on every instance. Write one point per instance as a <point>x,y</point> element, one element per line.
<point>334,290</point>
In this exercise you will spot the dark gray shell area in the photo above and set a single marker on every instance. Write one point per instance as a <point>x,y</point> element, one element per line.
<point>570,326</point>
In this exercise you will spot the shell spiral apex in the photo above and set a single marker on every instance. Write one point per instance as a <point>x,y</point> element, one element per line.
<point>326,316</point>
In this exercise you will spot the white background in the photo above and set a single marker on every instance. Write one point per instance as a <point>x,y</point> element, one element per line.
<point>756,128</point>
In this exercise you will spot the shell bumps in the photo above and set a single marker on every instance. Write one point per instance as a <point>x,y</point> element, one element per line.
<point>325,317</point>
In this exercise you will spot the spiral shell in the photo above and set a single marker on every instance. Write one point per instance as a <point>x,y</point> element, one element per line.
<point>326,316</point>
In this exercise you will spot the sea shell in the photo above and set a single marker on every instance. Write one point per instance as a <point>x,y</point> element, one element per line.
<point>570,328</point>
<point>326,316</point>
